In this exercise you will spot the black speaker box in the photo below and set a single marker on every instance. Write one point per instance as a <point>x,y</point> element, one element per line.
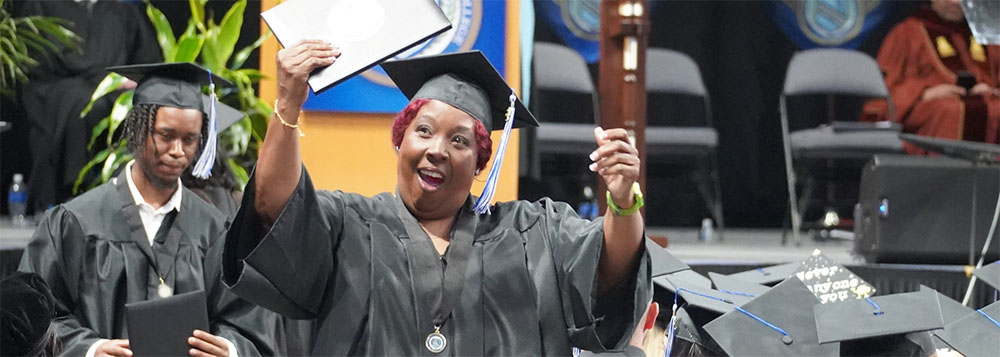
<point>918,209</point>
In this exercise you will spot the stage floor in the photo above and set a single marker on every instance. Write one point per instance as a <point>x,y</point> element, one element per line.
<point>742,246</point>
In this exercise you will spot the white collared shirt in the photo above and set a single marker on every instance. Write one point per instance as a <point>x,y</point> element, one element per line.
<point>152,218</point>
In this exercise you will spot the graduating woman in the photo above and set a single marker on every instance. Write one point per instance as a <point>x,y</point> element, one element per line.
<point>432,269</point>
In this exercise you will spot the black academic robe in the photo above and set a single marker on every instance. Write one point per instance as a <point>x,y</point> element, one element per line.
<point>113,33</point>
<point>347,262</point>
<point>94,254</point>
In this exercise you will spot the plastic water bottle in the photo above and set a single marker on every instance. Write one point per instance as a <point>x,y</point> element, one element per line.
<point>17,200</point>
<point>707,233</point>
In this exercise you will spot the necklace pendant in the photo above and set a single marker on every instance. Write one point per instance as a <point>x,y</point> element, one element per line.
<point>164,291</point>
<point>436,342</point>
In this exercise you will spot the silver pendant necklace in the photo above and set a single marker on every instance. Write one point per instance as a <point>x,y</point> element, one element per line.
<point>436,342</point>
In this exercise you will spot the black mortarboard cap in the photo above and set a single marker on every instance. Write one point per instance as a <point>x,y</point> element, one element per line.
<point>830,281</point>
<point>464,80</point>
<point>711,300</point>
<point>977,334</point>
<point>732,285</point>
<point>951,310</point>
<point>989,274</point>
<point>227,116</point>
<point>698,305</point>
<point>468,82</point>
<point>683,278</point>
<point>662,261</point>
<point>176,85</point>
<point>26,309</point>
<point>768,275</point>
<point>786,325</point>
<point>889,325</point>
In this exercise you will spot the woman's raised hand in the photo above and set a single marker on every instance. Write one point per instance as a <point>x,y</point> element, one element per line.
<point>294,65</point>
<point>617,161</point>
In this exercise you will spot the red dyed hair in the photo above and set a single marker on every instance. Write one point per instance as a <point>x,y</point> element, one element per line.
<point>484,144</point>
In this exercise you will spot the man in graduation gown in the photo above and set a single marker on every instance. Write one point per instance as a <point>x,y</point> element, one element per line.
<point>113,33</point>
<point>142,235</point>
<point>922,58</point>
<point>421,272</point>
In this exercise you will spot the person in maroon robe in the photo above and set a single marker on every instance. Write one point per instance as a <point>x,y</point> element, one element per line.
<point>923,58</point>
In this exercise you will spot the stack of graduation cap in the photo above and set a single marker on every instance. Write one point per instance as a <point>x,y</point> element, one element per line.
<point>743,317</point>
<point>888,325</point>
<point>789,320</point>
<point>779,322</point>
<point>977,333</point>
<point>697,303</point>
<point>178,85</point>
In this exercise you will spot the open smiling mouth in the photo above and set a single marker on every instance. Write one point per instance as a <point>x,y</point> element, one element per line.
<point>432,179</point>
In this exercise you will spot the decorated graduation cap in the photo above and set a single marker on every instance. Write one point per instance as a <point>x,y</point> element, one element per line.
<point>178,85</point>
<point>779,322</point>
<point>831,281</point>
<point>468,82</point>
<point>891,325</point>
<point>768,275</point>
<point>976,334</point>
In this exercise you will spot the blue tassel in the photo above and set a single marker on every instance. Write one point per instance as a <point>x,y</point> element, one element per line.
<point>203,168</point>
<point>483,203</point>
<point>671,329</point>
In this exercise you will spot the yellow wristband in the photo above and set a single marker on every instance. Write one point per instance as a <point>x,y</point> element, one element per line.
<point>639,202</point>
<point>285,123</point>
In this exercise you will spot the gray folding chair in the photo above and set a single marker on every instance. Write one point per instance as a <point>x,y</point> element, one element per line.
<point>559,68</point>
<point>672,72</point>
<point>831,72</point>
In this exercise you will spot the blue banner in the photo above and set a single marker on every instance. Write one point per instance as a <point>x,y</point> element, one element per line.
<point>829,23</point>
<point>576,22</point>
<point>476,24</point>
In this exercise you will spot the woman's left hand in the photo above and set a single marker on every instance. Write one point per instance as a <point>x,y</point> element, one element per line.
<point>617,161</point>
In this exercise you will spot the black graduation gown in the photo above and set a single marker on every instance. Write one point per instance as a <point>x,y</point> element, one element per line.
<point>347,262</point>
<point>94,254</point>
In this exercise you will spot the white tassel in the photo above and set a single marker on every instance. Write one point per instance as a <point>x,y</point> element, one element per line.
<point>483,204</point>
<point>203,168</point>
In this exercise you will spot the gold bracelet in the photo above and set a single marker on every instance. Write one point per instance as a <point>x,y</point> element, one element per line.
<point>285,123</point>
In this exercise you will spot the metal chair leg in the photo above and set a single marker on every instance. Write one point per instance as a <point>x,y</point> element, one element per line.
<point>717,210</point>
<point>790,174</point>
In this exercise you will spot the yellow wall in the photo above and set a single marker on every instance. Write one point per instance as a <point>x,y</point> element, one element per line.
<point>353,151</point>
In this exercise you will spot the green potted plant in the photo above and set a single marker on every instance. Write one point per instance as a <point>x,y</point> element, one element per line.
<point>22,38</point>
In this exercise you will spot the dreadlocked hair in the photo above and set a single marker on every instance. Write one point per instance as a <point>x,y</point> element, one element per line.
<point>139,124</point>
